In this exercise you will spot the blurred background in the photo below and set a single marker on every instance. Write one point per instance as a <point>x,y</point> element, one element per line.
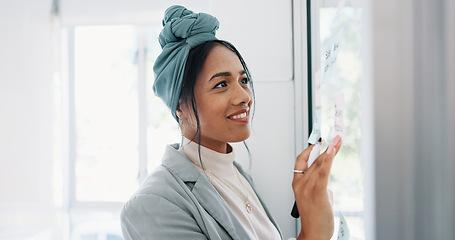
<point>80,127</point>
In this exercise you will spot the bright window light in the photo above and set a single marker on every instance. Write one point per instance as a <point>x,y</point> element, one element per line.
<point>106,113</point>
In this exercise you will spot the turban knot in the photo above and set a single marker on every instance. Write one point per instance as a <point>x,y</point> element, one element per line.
<point>182,30</point>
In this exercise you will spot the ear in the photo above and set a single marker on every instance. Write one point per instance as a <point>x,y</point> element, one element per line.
<point>181,114</point>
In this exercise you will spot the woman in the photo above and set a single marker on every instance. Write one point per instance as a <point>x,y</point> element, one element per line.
<point>199,191</point>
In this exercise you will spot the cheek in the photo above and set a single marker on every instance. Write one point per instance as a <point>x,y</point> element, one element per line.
<point>212,115</point>
<point>213,111</point>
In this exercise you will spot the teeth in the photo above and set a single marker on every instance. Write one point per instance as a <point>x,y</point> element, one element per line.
<point>242,115</point>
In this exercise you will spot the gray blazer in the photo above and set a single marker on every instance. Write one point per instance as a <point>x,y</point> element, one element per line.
<point>177,201</point>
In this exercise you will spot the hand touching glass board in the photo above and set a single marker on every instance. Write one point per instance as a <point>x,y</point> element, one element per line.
<point>335,75</point>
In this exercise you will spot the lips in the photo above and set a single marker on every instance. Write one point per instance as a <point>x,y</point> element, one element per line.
<point>241,115</point>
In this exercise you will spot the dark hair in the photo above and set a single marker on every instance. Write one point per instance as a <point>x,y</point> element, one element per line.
<point>193,66</point>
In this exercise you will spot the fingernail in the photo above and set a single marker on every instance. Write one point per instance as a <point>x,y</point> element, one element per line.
<point>329,150</point>
<point>336,140</point>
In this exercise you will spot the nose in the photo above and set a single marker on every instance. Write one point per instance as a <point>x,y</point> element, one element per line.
<point>241,95</point>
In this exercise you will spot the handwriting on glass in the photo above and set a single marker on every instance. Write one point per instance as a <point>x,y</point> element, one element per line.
<point>339,119</point>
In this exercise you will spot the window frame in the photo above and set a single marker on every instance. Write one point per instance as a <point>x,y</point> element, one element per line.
<point>141,58</point>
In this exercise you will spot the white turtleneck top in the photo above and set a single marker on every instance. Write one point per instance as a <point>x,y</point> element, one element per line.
<point>233,188</point>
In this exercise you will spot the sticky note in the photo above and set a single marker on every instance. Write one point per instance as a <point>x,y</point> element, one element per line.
<point>315,152</point>
<point>343,230</point>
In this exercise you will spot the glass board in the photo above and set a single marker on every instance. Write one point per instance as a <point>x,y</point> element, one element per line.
<point>335,74</point>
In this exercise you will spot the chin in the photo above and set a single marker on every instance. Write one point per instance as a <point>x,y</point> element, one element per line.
<point>240,137</point>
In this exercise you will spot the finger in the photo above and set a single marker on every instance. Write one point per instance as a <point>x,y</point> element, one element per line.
<point>327,160</point>
<point>301,163</point>
<point>333,144</point>
<point>338,146</point>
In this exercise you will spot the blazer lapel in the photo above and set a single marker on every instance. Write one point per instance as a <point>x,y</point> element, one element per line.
<point>206,195</point>
<point>213,203</point>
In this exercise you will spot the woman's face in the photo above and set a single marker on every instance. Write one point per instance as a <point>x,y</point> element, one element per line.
<point>223,100</point>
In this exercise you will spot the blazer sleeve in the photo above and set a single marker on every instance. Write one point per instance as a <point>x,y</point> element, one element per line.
<point>150,216</point>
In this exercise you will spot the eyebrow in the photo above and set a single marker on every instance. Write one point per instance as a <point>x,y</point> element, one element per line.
<point>225,74</point>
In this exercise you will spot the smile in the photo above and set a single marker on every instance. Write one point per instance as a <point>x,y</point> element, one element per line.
<point>241,115</point>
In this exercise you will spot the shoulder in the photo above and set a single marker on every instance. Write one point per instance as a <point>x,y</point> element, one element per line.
<point>161,190</point>
<point>171,180</point>
<point>162,204</point>
<point>152,216</point>
<point>159,182</point>
<point>168,186</point>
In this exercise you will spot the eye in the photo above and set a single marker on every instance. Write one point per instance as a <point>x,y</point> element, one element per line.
<point>221,85</point>
<point>245,81</point>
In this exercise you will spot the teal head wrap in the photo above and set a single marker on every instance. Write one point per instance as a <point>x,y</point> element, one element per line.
<point>183,30</point>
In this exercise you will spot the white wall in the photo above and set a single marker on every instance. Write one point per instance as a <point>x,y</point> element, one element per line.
<point>115,12</point>
<point>262,30</point>
<point>26,161</point>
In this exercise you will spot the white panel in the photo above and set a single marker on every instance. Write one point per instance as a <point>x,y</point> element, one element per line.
<point>272,147</point>
<point>26,102</point>
<point>264,37</point>
<point>413,127</point>
<point>26,113</point>
<point>434,169</point>
<point>122,11</point>
<point>450,63</point>
<point>262,32</point>
<point>392,57</point>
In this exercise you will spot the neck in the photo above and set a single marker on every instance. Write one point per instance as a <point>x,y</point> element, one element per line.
<point>218,146</point>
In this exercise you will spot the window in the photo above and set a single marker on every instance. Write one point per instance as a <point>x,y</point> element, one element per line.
<point>335,78</point>
<point>118,128</point>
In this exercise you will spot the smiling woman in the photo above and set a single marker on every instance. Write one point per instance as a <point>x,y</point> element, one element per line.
<point>199,191</point>
<point>223,99</point>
